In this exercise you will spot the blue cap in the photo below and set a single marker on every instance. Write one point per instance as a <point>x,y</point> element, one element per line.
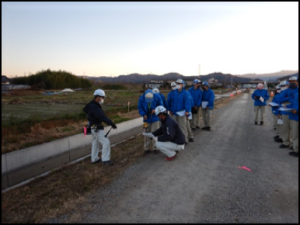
<point>205,84</point>
<point>149,96</point>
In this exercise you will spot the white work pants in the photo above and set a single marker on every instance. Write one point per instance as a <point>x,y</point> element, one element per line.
<point>99,138</point>
<point>148,143</point>
<point>168,148</point>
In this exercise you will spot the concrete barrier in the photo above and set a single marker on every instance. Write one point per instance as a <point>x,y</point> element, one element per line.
<point>21,165</point>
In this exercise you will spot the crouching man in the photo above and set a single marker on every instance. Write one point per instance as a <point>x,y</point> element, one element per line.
<point>169,137</point>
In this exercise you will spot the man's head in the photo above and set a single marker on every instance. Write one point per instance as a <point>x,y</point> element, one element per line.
<point>293,82</point>
<point>284,85</point>
<point>149,96</point>
<point>179,84</point>
<point>161,112</point>
<point>155,90</point>
<point>205,86</point>
<point>173,86</point>
<point>99,96</point>
<point>260,86</point>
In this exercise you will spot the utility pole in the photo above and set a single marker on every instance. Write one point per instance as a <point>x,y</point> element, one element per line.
<point>199,70</point>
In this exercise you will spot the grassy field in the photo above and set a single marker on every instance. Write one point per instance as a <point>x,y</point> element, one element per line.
<point>59,192</point>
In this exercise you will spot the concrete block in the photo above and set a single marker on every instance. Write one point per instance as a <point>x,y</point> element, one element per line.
<point>80,152</point>
<point>30,171</point>
<point>79,140</point>
<point>4,182</point>
<point>3,164</point>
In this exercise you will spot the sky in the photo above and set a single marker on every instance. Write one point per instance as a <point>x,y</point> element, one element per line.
<point>120,38</point>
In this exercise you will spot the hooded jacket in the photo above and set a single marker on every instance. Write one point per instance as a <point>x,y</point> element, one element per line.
<point>95,114</point>
<point>169,131</point>
<point>260,93</point>
<point>146,108</point>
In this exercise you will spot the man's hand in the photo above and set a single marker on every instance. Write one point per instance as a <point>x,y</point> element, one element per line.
<point>114,126</point>
<point>256,97</point>
<point>195,107</point>
<point>145,117</point>
<point>171,113</point>
<point>294,111</point>
<point>153,111</point>
<point>187,113</point>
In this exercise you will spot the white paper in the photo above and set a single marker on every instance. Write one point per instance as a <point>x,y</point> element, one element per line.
<point>181,113</point>
<point>273,104</point>
<point>261,99</point>
<point>279,121</point>
<point>286,109</point>
<point>204,104</point>
<point>190,116</point>
<point>148,135</point>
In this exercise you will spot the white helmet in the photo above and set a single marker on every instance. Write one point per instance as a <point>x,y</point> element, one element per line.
<point>179,81</point>
<point>99,92</point>
<point>160,109</point>
<point>173,84</point>
<point>155,90</point>
<point>293,78</point>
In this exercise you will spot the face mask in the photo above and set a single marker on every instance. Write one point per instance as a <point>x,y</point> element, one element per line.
<point>178,86</point>
<point>174,88</point>
<point>292,85</point>
<point>278,91</point>
<point>283,88</point>
<point>101,101</point>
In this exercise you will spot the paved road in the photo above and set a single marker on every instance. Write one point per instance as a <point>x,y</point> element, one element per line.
<point>204,183</point>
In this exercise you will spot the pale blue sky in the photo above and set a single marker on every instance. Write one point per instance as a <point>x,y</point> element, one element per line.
<point>115,38</point>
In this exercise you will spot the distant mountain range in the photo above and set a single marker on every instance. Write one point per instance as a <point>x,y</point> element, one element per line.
<point>222,78</point>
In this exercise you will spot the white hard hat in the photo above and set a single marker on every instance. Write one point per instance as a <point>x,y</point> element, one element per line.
<point>173,84</point>
<point>155,90</point>
<point>179,81</point>
<point>99,92</point>
<point>284,83</point>
<point>293,78</point>
<point>160,109</point>
<point>260,85</point>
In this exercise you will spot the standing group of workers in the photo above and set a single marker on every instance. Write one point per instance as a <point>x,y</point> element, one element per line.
<point>172,121</point>
<point>285,109</point>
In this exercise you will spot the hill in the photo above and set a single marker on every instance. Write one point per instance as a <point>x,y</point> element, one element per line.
<point>270,76</point>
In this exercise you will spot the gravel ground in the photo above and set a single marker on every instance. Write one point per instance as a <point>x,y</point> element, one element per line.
<point>204,184</point>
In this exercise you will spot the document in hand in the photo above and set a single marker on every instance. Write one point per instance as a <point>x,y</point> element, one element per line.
<point>273,104</point>
<point>181,113</point>
<point>261,99</point>
<point>148,135</point>
<point>286,109</point>
<point>204,104</point>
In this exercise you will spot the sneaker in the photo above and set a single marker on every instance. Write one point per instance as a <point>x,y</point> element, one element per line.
<point>203,128</point>
<point>278,140</point>
<point>261,122</point>
<point>283,146</point>
<point>191,140</point>
<point>171,158</point>
<point>193,128</point>
<point>155,151</point>
<point>147,151</point>
<point>208,128</point>
<point>255,123</point>
<point>96,161</point>
<point>295,154</point>
<point>197,127</point>
<point>107,163</point>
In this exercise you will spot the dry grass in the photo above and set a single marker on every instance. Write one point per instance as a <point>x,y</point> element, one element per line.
<point>62,190</point>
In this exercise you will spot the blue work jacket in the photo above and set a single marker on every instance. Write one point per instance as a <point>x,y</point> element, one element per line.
<point>260,93</point>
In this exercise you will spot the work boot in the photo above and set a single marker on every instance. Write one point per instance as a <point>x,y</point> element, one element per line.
<point>283,146</point>
<point>155,151</point>
<point>203,128</point>
<point>197,127</point>
<point>146,152</point>
<point>107,163</point>
<point>171,158</point>
<point>295,154</point>
<point>255,123</point>
<point>193,128</point>
<point>278,140</point>
<point>191,140</point>
<point>208,128</point>
<point>261,122</point>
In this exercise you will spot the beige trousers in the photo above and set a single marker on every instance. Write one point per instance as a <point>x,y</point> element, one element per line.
<point>262,109</point>
<point>286,129</point>
<point>181,120</point>
<point>276,125</point>
<point>189,129</point>
<point>295,134</point>
<point>148,143</point>
<point>206,117</point>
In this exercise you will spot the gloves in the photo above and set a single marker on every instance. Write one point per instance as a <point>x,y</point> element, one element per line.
<point>114,126</point>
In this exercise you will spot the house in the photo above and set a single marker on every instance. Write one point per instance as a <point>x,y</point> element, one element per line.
<point>5,80</point>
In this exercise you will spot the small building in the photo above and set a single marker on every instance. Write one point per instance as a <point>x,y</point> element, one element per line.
<point>5,80</point>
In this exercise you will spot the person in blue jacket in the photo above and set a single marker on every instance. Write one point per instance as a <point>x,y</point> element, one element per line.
<point>260,97</point>
<point>170,96</point>
<point>294,123</point>
<point>146,106</point>
<point>180,103</point>
<point>196,94</point>
<point>188,125</point>
<point>286,97</point>
<point>163,98</point>
<point>275,112</point>
<point>208,98</point>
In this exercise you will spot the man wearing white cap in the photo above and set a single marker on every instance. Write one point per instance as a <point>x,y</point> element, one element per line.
<point>169,137</point>
<point>170,96</point>
<point>275,112</point>
<point>146,106</point>
<point>208,98</point>
<point>163,99</point>
<point>196,94</point>
<point>260,97</point>
<point>287,97</point>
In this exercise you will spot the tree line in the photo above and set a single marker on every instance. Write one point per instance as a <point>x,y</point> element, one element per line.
<point>47,79</point>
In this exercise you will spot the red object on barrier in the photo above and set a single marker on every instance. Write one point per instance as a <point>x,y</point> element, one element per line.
<point>272,94</point>
<point>84,129</point>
